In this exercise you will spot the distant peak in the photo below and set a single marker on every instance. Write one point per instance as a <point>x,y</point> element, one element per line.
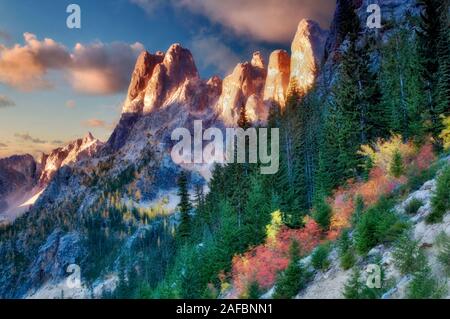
<point>89,137</point>
<point>258,60</point>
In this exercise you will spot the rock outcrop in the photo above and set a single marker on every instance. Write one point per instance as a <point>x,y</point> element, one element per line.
<point>247,80</point>
<point>73,152</point>
<point>18,173</point>
<point>278,77</point>
<point>307,52</point>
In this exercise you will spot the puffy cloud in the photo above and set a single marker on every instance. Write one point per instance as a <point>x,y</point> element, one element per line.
<point>266,20</point>
<point>6,101</point>
<point>209,51</point>
<point>24,67</point>
<point>103,68</point>
<point>96,68</point>
<point>96,123</point>
<point>28,138</point>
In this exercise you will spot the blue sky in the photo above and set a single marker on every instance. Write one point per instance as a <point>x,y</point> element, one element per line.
<point>53,104</point>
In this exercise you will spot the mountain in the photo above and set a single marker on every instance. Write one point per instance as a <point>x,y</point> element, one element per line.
<point>134,165</point>
<point>18,174</point>
<point>23,180</point>
<point>112,208</point>
<point>74,152</point>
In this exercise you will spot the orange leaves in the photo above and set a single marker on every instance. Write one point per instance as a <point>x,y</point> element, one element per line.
<point>263,262</point>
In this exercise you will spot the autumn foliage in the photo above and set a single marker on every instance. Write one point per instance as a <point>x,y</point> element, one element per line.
<point>262,263</point>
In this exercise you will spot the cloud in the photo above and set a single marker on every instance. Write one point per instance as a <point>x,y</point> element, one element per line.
<point>28,138</point>
<point>24,67</point>
<point>3,145</point>
<point>103,68</point>
<point>96,123</point>
<point>57,142</point>
<point>97,68</point>
<point>272,21</point>
<point>209,51</point>
<point>6,101</point>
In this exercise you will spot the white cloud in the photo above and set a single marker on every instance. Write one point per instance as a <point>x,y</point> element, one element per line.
<point>273,21</point>
<point>97,68</point>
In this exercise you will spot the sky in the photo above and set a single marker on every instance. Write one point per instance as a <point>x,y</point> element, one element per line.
<point>57,84</point>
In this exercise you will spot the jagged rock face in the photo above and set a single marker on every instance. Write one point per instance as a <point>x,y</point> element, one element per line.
<point>75,151</point>
<point>162,79</point>
<point>247,79</point>
<point>307,53</point>
<point>171,78</point>
<point>17,172</point>
<point>278,77</point>
<point>142,73</point>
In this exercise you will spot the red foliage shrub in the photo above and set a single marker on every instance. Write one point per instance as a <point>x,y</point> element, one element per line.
<point>263,262</point>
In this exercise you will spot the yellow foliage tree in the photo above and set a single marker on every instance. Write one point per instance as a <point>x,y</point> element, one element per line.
<point>445,135</point>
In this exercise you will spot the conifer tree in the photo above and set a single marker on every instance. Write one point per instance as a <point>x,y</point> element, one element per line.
<point>353,288</point>
<point>293,279</point>
<point>397,167</point>
<point>184,206</point>
<point>322,214</point>
<point>434,49</point>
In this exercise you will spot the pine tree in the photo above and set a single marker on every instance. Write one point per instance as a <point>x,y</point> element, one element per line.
<point>397,167</point>
<point>434,49</point>
<point>322,214</point>
<point>401,87</point>
<point>185,206</point>
<point>253,290</point>
<point>293,279</point>
<point>353,288</point>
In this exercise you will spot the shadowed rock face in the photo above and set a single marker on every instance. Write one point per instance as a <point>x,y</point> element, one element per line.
<point>18,172</point>
<point>72,153</point>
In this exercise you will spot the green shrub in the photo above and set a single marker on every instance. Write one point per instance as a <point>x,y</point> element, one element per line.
<point>379,224</point>
<point>424,285</point>
<point>413,206</point>
<point>406,254</point>
<point>319,258</point>
<point>397,167</point>
<point>253,290</point>
<point>346,253</point>
<point>353,288</point>
<point>440,203</point>
<point>443,244</point>
<point>322,214</point>
<point>294,278</point>
<point>348,260</point>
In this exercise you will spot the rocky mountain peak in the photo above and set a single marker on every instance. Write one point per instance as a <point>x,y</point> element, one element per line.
<point>258,60</point>
<point>248,79</point>
<point>307,52</point>
<point>73,152</point>
<point>278,77</point>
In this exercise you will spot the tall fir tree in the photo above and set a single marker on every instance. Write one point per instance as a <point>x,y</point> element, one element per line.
<point>185,206</point>
<point>434,51</point>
